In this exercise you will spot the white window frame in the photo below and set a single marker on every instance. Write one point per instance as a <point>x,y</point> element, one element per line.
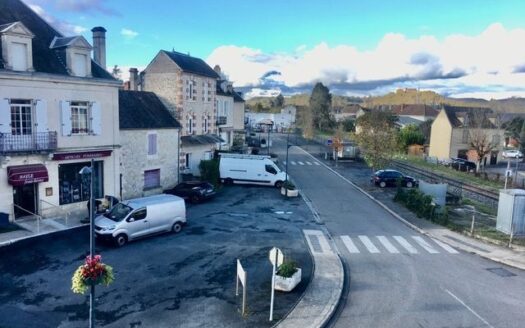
<point>85,108</point>
<point>21,111</point>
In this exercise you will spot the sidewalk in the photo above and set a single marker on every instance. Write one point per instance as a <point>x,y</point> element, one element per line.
<point>514,257</point>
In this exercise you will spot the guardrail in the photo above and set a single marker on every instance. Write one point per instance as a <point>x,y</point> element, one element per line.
<point>36,142</point>
<point>38,217</point>
<point>66,213</point>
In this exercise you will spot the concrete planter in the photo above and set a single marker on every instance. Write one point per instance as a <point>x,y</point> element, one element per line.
<point>291,192</point>
<point>288,284</point>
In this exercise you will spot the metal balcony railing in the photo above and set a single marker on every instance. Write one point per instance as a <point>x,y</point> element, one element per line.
<point>221,120</point>
<point>28,143</point>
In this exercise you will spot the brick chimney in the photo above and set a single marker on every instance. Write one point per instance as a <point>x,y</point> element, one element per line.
<point>99,45</point>
<point>133,79</point>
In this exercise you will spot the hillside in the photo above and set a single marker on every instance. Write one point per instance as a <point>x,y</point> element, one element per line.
<point>300,100</point>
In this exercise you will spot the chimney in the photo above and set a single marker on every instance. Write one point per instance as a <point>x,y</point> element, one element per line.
<point>133,79</point>
<point>99,45</point>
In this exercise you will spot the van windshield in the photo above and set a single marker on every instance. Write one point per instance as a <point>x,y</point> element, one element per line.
<point>118,212</point>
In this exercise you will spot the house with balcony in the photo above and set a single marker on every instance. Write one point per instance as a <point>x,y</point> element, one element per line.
<point>58,110</point>
<point>149,145</point>
<point>454,129</point>
<point>187,87</point>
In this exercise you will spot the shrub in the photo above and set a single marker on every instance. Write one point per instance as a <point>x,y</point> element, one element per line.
<point>288,185</point>
<point>210,171</point>
<point>287,269</point>
<point>416,201</point>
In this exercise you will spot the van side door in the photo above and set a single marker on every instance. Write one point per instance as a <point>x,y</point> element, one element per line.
<point>137,223</point>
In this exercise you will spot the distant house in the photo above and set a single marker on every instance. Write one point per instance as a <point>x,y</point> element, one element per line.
<point>278,121</point>
<point>342,113</point>
<point>453,130</point>
<point>187,86</point>
<point>418,112</point>
<point>150,141</point>
<point>58,111</point>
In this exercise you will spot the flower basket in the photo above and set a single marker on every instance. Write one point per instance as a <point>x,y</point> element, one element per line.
<point>288,276</point>
<point>93,272</point>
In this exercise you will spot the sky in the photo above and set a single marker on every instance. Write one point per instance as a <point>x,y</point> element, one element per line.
<point>467,48</point>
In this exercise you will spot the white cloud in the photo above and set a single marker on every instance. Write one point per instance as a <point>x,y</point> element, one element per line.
<point>127,33</point>
<point>459,64</point>
<point>63,27</point>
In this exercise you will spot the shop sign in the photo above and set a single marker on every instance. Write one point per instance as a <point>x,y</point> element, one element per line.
<point>83,155</point>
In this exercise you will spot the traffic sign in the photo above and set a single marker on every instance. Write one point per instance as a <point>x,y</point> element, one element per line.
<point>276,255</point>
<point>329,142</point>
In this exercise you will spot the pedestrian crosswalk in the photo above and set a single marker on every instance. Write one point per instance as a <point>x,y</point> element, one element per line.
<point>394,245</point>
<point>302,163</point>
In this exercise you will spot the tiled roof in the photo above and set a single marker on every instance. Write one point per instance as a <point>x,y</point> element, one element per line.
<point>237,97</point>
<point>415,110</point>
<point>143,110</point>
<point>59,42</point>
<point>45,60</point>
<point>473,117</point>
<point>191,64</point>
<point>204,139</point>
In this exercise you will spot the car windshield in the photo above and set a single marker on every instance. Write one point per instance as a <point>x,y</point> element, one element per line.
<point>118,212</point>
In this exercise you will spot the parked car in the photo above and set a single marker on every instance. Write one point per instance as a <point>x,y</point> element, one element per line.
<point>512,153</point>
<point>389,178</point>
<point>461,164</point>
<point>194,191</point>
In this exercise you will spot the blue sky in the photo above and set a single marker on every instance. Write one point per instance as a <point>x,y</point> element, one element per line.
<point>350,39</point>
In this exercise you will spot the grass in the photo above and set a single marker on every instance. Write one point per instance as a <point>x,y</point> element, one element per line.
<point>480,207</point>
<point>451,173</point>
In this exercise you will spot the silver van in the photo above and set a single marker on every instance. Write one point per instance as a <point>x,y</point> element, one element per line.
<point>136,218</point>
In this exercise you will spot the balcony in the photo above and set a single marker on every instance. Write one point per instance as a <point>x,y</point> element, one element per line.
<point>29,143</point>
<point>222,120</point>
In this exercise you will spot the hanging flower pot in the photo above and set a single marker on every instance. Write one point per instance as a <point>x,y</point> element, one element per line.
<point>93,272</point>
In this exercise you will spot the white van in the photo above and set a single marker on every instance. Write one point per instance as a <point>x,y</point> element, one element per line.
<point>250,169</point>
<point>135,218</point>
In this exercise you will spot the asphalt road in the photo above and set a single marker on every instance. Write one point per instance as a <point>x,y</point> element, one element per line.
<point>398,277</point>
<point>169,280</point>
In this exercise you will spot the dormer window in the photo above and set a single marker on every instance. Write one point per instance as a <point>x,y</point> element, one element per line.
<point>17,50</point>
<point>77,53</point>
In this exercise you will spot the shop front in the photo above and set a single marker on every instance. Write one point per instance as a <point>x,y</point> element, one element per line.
<point>25,179</point>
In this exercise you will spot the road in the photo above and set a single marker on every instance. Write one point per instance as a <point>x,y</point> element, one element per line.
<point>398,277</point>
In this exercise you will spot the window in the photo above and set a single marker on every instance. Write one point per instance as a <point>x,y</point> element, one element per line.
<point>79,117</point>
<point>21,123</point>
<point>270,169</point>
<point>73,187</point>
<point>151,179</point>
<point>80,65</point>
<point>189,125</point>
<point>152,144</point>
<point>191,90</point>
<point>139,214</point>
<point>19,56</point>
<point>206,124</point>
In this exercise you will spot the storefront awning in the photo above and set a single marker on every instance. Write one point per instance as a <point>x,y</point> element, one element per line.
<point>25,174</point>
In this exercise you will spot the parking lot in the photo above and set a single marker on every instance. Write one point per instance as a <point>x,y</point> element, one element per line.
<point>170,280</point>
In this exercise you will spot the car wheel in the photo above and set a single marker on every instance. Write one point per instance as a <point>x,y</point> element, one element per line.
<point>279,184</point>
<point>121,240</point>
<point>410,184</point>
<point>195,199</point>
<point>382,184</point>
<point>177,227</point>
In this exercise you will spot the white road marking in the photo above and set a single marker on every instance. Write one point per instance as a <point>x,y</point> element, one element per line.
<point>300,163</point>
<point>446,247</point>
<point>388,245</point>
<point>293,163</point>
<point>368,244</point>
<point>317,163</point>
<point>405,244</point>
<point>468,308</point>
<point>350,246</point>
<point>308,163</point>
<point>425,245</point>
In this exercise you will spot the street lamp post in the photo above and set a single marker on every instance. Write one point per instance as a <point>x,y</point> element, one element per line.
<point>84,172</point>
<point>268,143</point>
<point>286,165</point>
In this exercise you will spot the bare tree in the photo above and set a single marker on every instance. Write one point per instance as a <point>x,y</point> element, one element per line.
<point>480,140</point>
<point>481,143</point>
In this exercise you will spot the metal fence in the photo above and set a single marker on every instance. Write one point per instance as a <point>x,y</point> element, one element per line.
<point>36,142</point>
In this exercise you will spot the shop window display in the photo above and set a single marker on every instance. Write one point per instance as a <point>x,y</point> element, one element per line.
<point>74,187</point>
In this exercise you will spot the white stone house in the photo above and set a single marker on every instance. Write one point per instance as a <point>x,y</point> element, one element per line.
<point>187,86</point>
<point>282,120</point>
<point>149,137</point>
<point>58,110</point>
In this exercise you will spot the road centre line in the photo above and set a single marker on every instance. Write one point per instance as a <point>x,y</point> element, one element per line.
<point>468,308</point>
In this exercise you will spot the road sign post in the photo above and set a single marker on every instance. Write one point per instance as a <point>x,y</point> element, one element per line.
<point>276,258</point>
<point>242,277</point>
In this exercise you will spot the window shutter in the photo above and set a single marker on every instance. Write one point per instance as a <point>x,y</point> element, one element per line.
<point>152,144</point>
<point>66,118</point>
<point>5,116</point>
<point>41,116</point>
<point>96,119</point>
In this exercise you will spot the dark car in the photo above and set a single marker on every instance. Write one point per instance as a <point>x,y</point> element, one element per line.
<point>194,191</point>
<point>389,178</point>
<point>461,164</point>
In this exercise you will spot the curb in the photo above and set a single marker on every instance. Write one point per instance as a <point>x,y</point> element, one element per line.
<point>406,222</point>
<point>27,239</point>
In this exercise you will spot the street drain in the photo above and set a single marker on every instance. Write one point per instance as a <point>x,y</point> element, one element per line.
<point>314,241</point>
<point>501,272</point>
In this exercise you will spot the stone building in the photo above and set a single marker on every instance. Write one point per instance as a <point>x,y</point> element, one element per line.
<point>149,138</point>
<point>58,110</point>
<point>187,86</point>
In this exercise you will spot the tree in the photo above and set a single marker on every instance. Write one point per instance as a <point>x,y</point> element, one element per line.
<point>522,137</point>
<point>348,125</point>
<point>116,72</point>
<point>410,135</point>
<point>376,137</point>
<point>425,129</point>
<point>320,103</point>
<point>480,142</point>
<point>278,101</point>
<point>307,124</point>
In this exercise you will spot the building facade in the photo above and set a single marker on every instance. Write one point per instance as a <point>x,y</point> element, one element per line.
<point>58,111</point>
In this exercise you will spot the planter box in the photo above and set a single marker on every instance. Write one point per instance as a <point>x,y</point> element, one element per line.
<point>288,284</point>
<point>291,193</point>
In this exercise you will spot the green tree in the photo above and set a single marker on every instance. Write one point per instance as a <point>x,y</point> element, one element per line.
<point>320,103</point>
<point>425,129</point>
<point>376,137</point>
<point>522,137</point>
<point>278,101</point>
<point>348,125</point>
<point>410,135</point>
<point>307,124</point>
